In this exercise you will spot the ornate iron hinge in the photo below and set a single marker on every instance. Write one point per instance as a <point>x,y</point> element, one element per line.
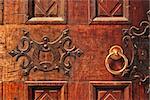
<point>61,49</point>
<point>138,40</point>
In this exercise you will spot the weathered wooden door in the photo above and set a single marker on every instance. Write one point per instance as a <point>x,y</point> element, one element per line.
<point>59,49</point>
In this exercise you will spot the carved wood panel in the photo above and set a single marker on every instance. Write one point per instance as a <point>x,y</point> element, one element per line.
<point>47,11</point>
<point>110,95</point>
<point>46,90</point>
<point>110,90</point>
<point>108,10</point>
<point>47,94</point>
<point>45,8</point>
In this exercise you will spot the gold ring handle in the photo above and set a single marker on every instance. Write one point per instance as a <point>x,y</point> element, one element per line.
<point>116,53</point>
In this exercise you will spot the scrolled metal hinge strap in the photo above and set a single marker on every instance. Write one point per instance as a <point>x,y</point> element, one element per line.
<point>137,38</point>
<point>63,43</point>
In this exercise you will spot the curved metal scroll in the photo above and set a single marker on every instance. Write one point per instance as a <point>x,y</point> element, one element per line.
<point>61,49</point>
<point>138,40</point>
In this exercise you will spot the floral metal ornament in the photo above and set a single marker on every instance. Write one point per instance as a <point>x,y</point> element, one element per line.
<point>61,49</point>
<point>138,40</point>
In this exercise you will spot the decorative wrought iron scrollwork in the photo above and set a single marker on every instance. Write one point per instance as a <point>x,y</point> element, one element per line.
<point>138,40</point>
<point>61,49</point>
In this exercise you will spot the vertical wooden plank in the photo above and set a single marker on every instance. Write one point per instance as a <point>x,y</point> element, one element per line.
<point>78,90</point>
<point>136,90</point>
<point>13,91</point>
<point>2,52</point>
<point>77,12</point>
<point>15,11</point>
<point>21,91</point>
<point>1,11</point>
<point>1,90</point>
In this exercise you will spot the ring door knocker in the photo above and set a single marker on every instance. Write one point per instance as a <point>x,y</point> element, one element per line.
<point>116,53</point>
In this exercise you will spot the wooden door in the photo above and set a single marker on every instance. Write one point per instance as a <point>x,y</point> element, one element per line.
<point>56,49</point>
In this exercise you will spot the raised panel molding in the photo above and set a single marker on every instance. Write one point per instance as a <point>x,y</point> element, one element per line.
<point>47,11</point>
<point>110,90</point>
<point>101,11</point>
<point>47,90</point>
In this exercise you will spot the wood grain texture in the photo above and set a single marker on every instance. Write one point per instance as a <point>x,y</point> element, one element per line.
<point>1,11</point>
<point>14,91</point>
<point>1,90</point>
<point>93,40</point>
<point>15,11</point>
<point>2,52</point>
<point>78,90</point>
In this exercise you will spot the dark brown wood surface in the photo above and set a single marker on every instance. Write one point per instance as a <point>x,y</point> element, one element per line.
<point>94,39</point>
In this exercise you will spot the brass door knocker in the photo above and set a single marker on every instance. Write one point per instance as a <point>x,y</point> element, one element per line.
<point>116,53</point>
